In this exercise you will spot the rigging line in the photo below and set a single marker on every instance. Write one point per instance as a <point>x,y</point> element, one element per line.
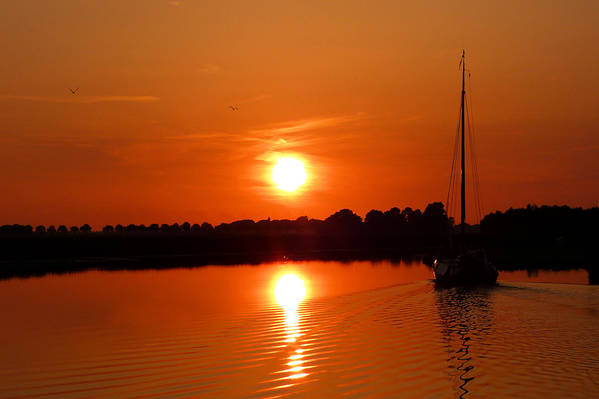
<point>472,184</point>
<point>456,149</point>
<point>451,193</point>
<point>477,174</point>
<point>457,170</point>
<point>453,165</point>
<point>473,165</point>
<point>453,173</point>
<point>451,188</point>
<point>474,145</point>
<point>474,170</point>
<point>453,182</point>
<point>452,202</point>
<point>473,174</point>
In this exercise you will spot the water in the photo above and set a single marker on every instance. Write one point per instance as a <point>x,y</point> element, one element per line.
<point>359,329</point>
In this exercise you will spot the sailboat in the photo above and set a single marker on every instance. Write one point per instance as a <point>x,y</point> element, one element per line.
<point>468,267</point>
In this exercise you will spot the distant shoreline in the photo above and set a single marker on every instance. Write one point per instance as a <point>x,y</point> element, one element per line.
<point>24,268</point>
<point>40,267</point>
<point>530,238</point>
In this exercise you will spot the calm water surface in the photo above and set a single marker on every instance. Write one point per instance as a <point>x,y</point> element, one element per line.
<point>310,329</point>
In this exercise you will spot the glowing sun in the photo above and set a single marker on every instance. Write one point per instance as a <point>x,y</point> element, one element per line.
<point>290,290</point>
<point>289,174</point>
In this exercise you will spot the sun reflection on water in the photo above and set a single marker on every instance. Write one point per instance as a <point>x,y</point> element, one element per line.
<point>289,291</point>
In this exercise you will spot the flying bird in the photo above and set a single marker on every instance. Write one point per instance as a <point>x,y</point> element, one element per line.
<point>233,108</point>
<point>73,91</point>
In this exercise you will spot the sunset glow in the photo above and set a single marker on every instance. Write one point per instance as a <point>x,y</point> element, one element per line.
<point>149,136</point>
<point>289,174</point>
<point>316,199</point>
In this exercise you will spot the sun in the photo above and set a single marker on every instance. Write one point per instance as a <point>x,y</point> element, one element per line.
<point>289,174</point>
<point>290,290</point>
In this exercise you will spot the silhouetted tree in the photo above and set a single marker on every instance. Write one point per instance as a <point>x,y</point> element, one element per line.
<point>207,227</point>
<point>40,229</point>
<point>119,228</point>
<point>108,229</point>
<point>16,229</point>
<point>185,227</point>
<point>74,229</point>
<point>51,229</point>
<point>375,219</point>
<point>62,228</point>
<point>434,220</point>
<point>435,210</point>
<point>344,220</point>
<point>300,220</point>
<point>395,217</point>
<point>239,226</point>
<point>409,215</point>
<point>196,228</point>
<point>86,228</point>
<point>542,223</point>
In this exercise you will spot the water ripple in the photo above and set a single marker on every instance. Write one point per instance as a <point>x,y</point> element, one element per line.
<point>516,340</point>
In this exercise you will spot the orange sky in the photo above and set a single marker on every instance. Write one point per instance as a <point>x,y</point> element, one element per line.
<point>367,93</point>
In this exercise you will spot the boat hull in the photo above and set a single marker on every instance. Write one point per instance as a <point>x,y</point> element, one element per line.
<point>468,269</point>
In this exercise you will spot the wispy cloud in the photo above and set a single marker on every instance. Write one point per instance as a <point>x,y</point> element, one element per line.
<point>301,137</point>
<point>198,137</point>
<point>282,135</point>
<point>304,125</point>
<point>83,99</point>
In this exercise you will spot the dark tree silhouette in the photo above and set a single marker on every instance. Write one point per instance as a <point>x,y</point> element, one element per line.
<point>375,218</point>
<point>345,219</point>
<point>302,220</point>
<point>410,216</point>
<point>154,227</point>
<point>551,234</point>
<point>74,229</point>
<point>435,218</point>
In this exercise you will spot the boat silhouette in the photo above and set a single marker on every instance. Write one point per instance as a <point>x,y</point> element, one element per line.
<point>468,266</point>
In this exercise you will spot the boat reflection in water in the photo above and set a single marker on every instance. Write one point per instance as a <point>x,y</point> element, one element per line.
<point>466,316</point>
<point>289,291</point>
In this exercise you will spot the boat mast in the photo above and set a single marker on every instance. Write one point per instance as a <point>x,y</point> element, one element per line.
<point>463,188</point>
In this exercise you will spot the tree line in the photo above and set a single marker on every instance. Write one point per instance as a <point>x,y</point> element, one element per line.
<point>532,223</point>
<point>558,224</point>
<point>531,237</point>
<point>433,221</point>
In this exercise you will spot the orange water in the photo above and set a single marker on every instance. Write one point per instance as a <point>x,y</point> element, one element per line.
<point>363,329</point>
